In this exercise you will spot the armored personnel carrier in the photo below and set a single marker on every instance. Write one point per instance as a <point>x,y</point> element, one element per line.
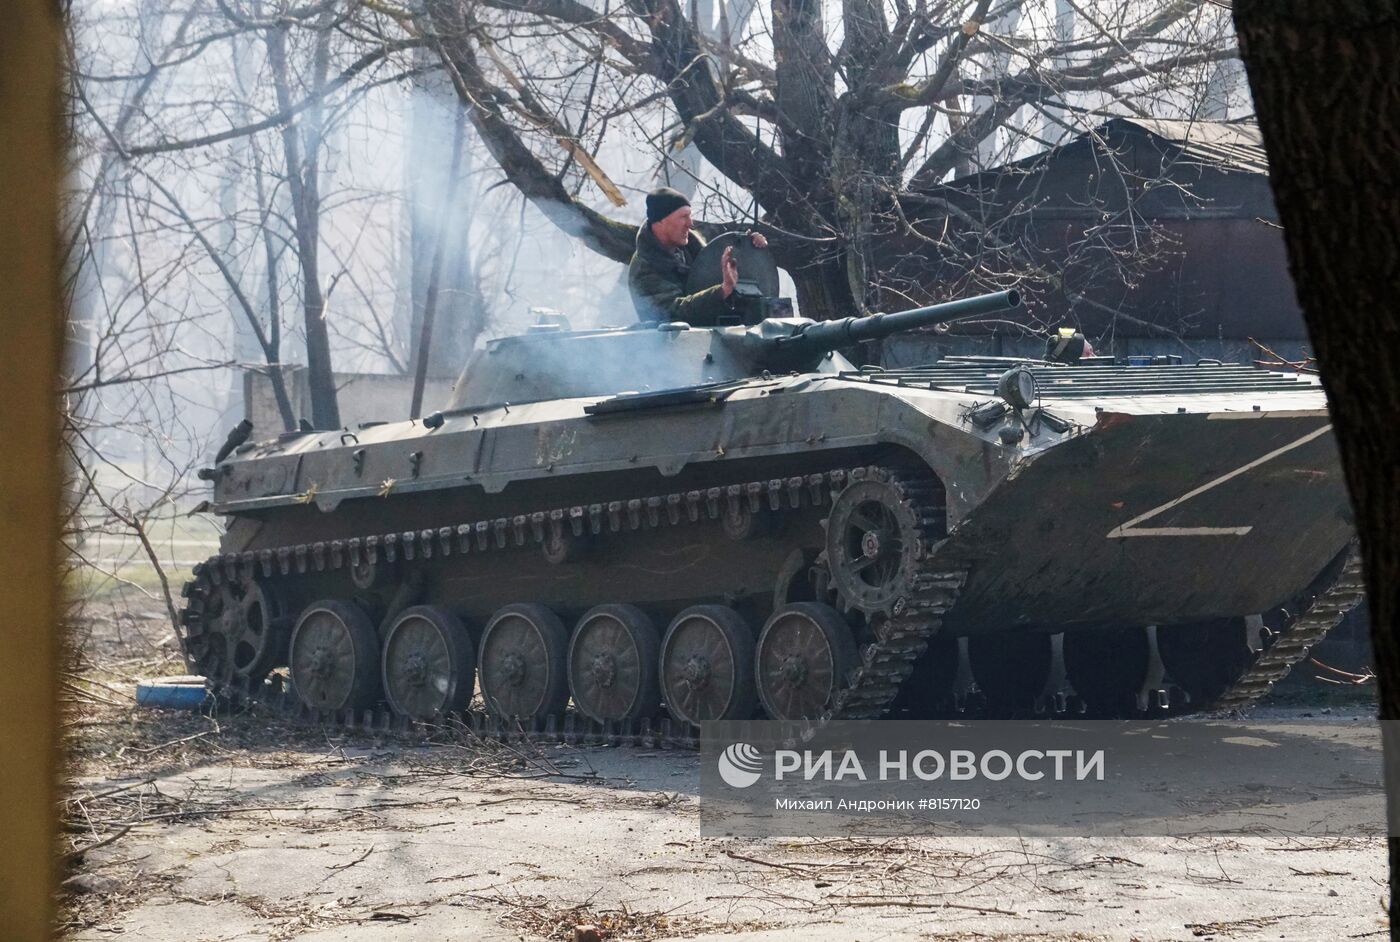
<point>719,521</point>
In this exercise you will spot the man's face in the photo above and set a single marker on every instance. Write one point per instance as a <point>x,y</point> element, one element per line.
<point>674,230</point>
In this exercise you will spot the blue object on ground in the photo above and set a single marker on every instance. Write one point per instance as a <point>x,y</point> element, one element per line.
<point>172,693</point>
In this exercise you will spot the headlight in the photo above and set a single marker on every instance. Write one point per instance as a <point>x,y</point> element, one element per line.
<point>1018,387</point>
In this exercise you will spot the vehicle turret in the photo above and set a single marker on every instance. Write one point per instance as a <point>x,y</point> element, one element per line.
<point>552,362</point>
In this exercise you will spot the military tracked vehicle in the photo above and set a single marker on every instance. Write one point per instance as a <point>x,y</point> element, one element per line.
<point>730,521</point>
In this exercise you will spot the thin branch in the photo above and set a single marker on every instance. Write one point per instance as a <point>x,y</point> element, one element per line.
<point>283,115</point>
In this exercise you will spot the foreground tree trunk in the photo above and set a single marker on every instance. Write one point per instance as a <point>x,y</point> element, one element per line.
<point>31,159</point>
<point>1328,97</point>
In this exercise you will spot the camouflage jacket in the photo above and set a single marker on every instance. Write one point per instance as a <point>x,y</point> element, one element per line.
<point>656,277</point>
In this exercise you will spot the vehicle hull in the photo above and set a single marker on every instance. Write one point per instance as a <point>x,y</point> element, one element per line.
<point>1249,508</point>
<point>1248,512</point>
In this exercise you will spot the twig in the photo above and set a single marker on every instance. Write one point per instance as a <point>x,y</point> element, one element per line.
<point>770,863</point>
<point>77,853</point>
<point>352,863</point>
<point>173,742</point>
<point>90,697</point>
<point>205,812</point>
<point>914,904</point>
<point>501,801</point>
<point>1301,366</point>
<point>93,700</point>
<point>1347,676</point>
<point>116,791</point>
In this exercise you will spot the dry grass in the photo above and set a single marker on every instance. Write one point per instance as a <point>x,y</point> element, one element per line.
<point>132,885</point>
<point>544,918</point>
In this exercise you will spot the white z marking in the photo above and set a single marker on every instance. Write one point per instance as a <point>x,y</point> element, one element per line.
<point>1131,528</point>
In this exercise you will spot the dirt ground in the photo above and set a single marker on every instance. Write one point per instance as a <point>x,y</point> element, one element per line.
<point>182,827</point>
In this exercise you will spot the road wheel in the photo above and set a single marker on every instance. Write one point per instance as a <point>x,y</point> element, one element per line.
<point>522,663</point>
<point>1207,657</point>
<point>707,670</point>
<point>612,664</point>
<point>335,657</point>
<point>429,664</point>
<point>805,653</point>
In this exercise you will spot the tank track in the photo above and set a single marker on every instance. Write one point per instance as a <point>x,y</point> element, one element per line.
<point>1292,644</point>
<point>901,635</point>
<point>277,699</point>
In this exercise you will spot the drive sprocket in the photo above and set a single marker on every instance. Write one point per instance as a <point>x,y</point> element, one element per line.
<point>234,631</point>
<point>878,534</point>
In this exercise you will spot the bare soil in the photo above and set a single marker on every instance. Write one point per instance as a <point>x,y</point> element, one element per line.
<point>184,827</point>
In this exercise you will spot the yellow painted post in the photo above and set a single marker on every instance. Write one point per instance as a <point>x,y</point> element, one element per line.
<point>31,330</point>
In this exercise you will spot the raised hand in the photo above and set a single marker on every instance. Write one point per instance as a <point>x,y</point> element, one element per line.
<point>729,271</point>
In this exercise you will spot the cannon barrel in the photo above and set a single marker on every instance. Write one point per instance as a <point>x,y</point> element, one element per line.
<point>829,335</point>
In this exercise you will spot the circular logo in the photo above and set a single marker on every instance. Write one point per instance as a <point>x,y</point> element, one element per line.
<point>740,765</point>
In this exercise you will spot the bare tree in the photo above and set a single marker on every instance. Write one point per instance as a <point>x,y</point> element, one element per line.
<point>187,224</point>
<point>301,146</point>
<point>441,198</point>
<point>279,80</point>
<point>839,127</point>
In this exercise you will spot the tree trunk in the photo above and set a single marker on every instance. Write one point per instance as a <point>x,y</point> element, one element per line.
<point>1325,87</point>
<point>244,343</point>
<point>31,156</point>
<point>303,179</point>
<point>823,288</point>
<point>272,345</point>
<point>423,352</point>
<point>440,216</point>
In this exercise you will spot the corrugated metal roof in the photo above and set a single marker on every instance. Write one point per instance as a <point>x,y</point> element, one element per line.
<point>1231,144</point>
<point>1237,146</point>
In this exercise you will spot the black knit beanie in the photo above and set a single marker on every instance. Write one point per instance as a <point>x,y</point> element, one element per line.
<point>664,201</point>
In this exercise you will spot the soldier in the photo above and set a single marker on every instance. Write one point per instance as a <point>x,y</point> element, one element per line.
<point>666,248</point>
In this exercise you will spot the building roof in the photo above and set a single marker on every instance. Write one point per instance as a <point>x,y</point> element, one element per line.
<point>1237,145</point>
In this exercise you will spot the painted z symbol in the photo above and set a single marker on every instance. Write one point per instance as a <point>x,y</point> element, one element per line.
<point>1131,528</point>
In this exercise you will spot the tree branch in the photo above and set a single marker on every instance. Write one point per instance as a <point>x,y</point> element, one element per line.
<point>285,114</point>
<point>525,171</point>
